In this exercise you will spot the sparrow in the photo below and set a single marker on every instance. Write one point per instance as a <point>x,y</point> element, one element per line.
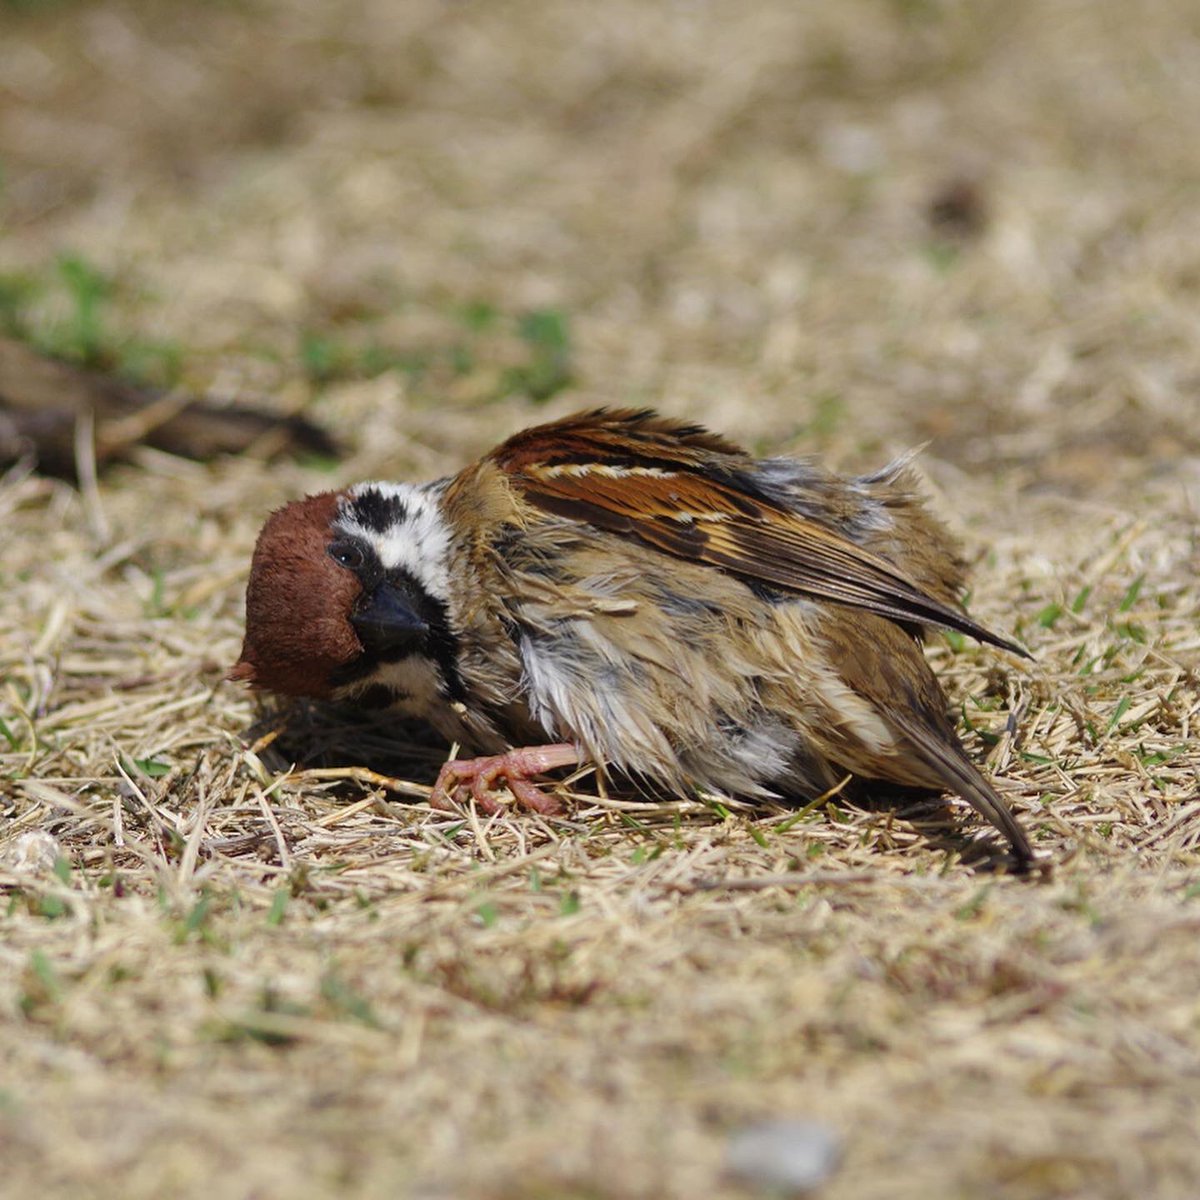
<point>635,592</point>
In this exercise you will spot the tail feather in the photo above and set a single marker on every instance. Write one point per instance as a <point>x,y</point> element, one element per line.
<point>961,776</point>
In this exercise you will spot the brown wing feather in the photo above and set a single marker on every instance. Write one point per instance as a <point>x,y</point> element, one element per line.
<point>602,434</point>
<point>690,493</point>
<point>885,668</point>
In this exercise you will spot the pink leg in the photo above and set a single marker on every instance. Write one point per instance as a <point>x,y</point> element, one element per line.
<point>482,775</point>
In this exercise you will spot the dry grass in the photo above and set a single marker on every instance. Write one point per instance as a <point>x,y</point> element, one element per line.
<point>231,980</point>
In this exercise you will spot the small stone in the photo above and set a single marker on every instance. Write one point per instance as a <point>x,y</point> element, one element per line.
<point>789,1155</point>
<point>31,853</point>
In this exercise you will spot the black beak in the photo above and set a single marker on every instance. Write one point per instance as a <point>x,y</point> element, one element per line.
<point>387,621</point>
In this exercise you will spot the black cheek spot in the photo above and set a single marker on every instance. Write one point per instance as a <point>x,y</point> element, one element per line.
<point>377,512</point>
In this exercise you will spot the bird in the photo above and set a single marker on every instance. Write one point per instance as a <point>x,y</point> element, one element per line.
<point>634,592</point>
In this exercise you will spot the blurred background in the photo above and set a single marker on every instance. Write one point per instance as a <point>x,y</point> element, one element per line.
<point>846,227</point>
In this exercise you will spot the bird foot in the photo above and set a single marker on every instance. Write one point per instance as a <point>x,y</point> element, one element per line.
<point>480,777</point>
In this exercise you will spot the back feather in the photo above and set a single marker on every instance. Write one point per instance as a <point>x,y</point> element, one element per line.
<point>690,493</point>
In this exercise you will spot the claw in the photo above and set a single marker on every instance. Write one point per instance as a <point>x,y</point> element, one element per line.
<point>482,775</point>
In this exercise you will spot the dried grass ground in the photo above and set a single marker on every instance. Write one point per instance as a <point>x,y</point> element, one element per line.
<point>230,981</point>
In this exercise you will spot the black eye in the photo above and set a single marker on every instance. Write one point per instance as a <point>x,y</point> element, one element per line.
<point>349,554</point>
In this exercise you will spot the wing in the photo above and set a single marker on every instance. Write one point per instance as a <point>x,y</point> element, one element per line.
<point>690,493</point>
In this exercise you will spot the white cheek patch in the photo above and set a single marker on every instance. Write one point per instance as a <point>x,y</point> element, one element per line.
<point>415,681</point>
<point>418,542</point>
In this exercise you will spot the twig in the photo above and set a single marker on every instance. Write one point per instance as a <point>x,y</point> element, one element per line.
<point>285,860</point>
<point>85,470</point>
<point>362,775</point>
<point>797,879</point>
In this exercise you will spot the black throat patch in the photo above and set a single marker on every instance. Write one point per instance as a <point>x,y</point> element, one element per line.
<point>439,646</point>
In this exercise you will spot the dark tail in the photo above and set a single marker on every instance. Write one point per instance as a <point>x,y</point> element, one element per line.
<point>961,776</point>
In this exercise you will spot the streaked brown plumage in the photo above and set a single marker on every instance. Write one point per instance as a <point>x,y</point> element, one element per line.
<point>650,596</point>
